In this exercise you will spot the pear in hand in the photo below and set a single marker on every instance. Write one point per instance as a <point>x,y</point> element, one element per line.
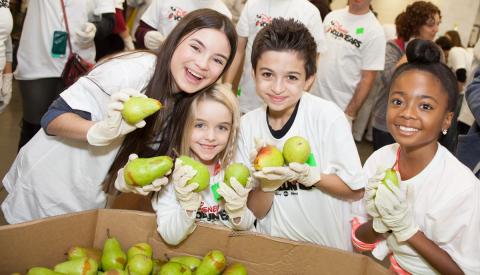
<point>239,171</point>
<point>235,269</point>
<point>142,171</point>
<point>202,177</point>
<point>390,176</point>
<point>189,261</point>
<point>212,264</point>
<point>42,271</point>
<point>172,268</point>
<point>137,108</point>
<point>81,266</point>
<point>268,156</point>
<point>296,149</point>
<point>113,256</point>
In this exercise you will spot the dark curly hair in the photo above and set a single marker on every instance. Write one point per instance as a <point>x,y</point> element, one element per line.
<point>416,15</point>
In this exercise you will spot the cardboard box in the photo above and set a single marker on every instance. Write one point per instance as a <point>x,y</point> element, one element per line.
<point>44,243</point>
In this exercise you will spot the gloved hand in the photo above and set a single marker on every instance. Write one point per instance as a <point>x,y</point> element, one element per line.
<point>85,36</point>
<point>306,175</point>
<point>128,43</point>
<point>395,212</point>
<point>369,199</point>
<point>188,199</point>
<point>155,186</point>
<point>271,178</point>
<point>113,126</point>
<point>6,90</point>
<point>153,40</point>
<point>235,197</point>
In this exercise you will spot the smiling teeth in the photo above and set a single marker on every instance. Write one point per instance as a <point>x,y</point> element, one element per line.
<point>408,129</point>
<point>195,75</point>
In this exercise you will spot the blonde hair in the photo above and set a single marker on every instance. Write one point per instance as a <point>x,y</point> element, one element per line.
<point>223,94</point>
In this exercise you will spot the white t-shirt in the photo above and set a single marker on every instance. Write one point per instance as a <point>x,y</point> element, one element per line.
<point>35,60</point>
<point>460,58</point>
<point>258,13</point>
<point>6,25</point>
<point>53,175</point>
<point>174,225</point>
<point>164,15</point>
<point>355,43</point>
<point>308,214</point>
<point>446,201</point>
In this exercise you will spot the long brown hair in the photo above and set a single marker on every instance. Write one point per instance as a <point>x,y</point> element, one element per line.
<point>162,133</point>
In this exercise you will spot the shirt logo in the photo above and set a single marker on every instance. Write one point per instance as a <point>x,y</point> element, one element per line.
<point>338,32</point>
<point>211,213</point>
<point>4,4</point>
<point>290,189</point>
<point>263,20</point>
<point>176,14</point>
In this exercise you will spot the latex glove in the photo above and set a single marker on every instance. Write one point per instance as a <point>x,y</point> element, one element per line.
<point>188,199</point>
<point>122,186</point>
<point>113,126</point>
<point>153,40</point>
<point>306,175</point>
<point>235,197</point>
<point>6,90</point>
<point>128,43</point>
<point>271,178</point>
<point>395,212</point>
<point>86,35</point>
<point>259,143</point>
<point>369,199</point>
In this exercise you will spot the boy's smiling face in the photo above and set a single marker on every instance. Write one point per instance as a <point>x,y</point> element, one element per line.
<point>280,80</point>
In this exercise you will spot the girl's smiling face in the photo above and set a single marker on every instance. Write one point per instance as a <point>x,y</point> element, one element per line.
<point>211,130</point>
<point>417,109</point>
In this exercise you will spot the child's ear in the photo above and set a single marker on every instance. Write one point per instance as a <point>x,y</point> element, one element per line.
<point>447,121</point>
<point>309,82</point>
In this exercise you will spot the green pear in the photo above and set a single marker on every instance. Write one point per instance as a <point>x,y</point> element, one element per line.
<point>268,156</point>
<point>42,271</point>
<point>202,177</point>
<point>140,248</point>
<point>142,171</point>
<point>139,264</point>
<point>239,171</point>
<point>189,261</point>
<point>115,272</point>
<point>137,108</point>
<point>390,176</point>
<point>172,268</point>
<point>77,252</point>
<point>113,256</point>
<point>235,269</point>
<point>296,149</point>
<point>81,266</point>
<point>212,264</point>
<point>157,264</point>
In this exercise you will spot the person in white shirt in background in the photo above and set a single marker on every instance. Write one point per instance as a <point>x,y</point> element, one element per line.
<point>236,7</point>
<point>6,25</point>
<point>135,9</point>
<point>428,209</point>
<point>163,15</point>
<point>40,64</point>
<point>209,136</point>
<point>256,15</point>
<point>356,52</point>
<point>301,201</point>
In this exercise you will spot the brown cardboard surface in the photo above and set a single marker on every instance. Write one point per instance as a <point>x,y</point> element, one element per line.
<point>44,242</point>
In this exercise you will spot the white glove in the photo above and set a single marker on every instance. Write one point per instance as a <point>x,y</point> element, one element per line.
<point>86,35</point>
<point>271,178</point>
<point>113,126</point>
<point>155,186</point>
<point>188,199</point>
<point>153,40</point>
<point>6,90</point>
<point>306,175</point>
<point>369,199</point>
<point>395,212</point>
<point>128,44</point>
<point>259,143</point>
<point>235,197</point>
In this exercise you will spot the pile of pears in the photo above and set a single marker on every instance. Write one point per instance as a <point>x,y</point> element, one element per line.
<point>295,149</point>
<point>138,260</point>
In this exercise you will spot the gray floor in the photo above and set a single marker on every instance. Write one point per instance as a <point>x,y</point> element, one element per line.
<point>10,132</point>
